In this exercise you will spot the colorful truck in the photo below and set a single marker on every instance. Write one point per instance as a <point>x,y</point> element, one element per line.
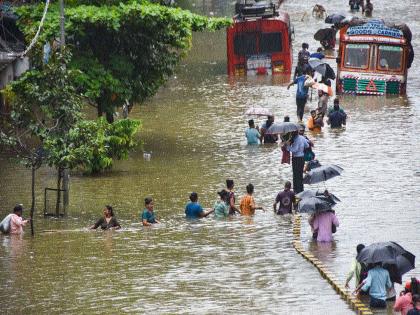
<point>373,58</point>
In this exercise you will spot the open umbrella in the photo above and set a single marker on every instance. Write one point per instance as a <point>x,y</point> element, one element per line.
<point>334,18</point>
<point>258,111</point>
<point>392,256</point>
<point>283,127</point>
<point>314,204</point>
<point>322,173</point>
<point>331,198</point>
<point>322,67</point>
<point>324,34</point>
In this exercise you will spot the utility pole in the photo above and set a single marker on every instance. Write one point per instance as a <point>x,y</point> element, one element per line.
<point>66,175</point>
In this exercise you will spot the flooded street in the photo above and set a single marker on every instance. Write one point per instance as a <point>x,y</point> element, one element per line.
<point>194,131</point>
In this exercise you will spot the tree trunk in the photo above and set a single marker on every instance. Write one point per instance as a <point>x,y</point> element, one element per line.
<point>109,117</point>
<point>57,205</point>
<point>31,214</point>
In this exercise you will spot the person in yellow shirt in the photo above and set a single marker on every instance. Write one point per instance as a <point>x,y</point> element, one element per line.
<point>314,122</point>
<point>247,204</point>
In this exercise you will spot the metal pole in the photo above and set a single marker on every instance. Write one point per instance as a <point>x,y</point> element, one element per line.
<point>66,179</point>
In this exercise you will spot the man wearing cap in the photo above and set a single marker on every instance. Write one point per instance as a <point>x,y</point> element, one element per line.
<point>16,221</point>
<point>297,146</point>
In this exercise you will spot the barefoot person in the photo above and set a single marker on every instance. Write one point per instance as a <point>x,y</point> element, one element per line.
<point>108,221</point>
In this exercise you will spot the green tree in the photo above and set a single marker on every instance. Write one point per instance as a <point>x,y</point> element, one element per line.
<point>47,123</point>
<point>125,50</point>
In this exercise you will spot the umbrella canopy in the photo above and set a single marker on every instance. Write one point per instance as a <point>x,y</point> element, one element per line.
<point>331,198</point>
<point>324,34</point>
<point>322,173</point>
<point>323,68</point>
<point>392,256</point>
<point>334,18</point>
<point>283,127</point>
<point>314,204</point>
<point>258,111</point>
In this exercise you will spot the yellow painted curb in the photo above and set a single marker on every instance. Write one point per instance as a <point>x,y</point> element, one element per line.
<point>344,293</point>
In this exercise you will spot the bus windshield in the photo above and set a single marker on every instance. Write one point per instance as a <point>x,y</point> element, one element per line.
<point>389,57</point>
<point>356,56</point>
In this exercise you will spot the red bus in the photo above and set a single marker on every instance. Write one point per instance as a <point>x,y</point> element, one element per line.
<point>259,41</point>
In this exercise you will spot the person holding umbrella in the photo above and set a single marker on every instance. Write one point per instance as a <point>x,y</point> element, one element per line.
<point>252,134</point>
<point>297,146</point>
<point>378,282</point>
<point>322,225</point>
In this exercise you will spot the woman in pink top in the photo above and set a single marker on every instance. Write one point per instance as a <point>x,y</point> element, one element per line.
<point>322,224</point>
<point>16,221</point>
<point>404,302</point>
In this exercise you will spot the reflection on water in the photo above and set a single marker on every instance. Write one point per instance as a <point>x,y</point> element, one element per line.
<point>195,129</point>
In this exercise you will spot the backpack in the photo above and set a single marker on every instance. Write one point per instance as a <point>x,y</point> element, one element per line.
<point>5,224</point>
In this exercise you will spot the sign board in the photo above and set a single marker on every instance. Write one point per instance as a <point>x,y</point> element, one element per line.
<point>374,27</point>
<point>256,63</point>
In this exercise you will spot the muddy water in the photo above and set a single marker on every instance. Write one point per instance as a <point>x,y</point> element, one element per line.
<point>194,131</point>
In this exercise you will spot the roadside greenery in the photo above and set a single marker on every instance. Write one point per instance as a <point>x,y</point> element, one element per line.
<point>125,50</point>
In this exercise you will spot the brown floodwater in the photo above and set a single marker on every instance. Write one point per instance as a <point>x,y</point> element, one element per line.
<point>194,131</point>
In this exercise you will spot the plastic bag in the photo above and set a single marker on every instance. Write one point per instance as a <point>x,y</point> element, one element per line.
<point>5,224</point>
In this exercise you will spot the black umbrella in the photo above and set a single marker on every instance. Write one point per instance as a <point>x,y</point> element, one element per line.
<point>331,198</point>
<point>314,204</point>
<point>392,256</point>
<point>283,127</point>
<point>324,34</point>
<point>322,173</point>
<point>405,263</point>
<point>334,18</point>
<point>329,72</point>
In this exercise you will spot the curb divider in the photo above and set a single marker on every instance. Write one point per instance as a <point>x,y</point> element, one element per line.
<point>358,306</point>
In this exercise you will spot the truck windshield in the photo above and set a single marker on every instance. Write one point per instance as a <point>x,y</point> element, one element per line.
<point>389,57</point>
<point>356,56</point>
<point>270,43</point>
<point>245,44</point>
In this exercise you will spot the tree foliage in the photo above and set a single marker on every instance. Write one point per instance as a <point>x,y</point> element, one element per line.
<point>125,50</point>
<point>46,110</point>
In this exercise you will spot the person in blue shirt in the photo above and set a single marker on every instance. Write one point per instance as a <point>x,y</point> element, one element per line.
<point>194,210</point>
<point>377,282</point>
<point>148,216</point>
<point>297,146</point>
<point>301,92</point>
<point>252,134</point>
